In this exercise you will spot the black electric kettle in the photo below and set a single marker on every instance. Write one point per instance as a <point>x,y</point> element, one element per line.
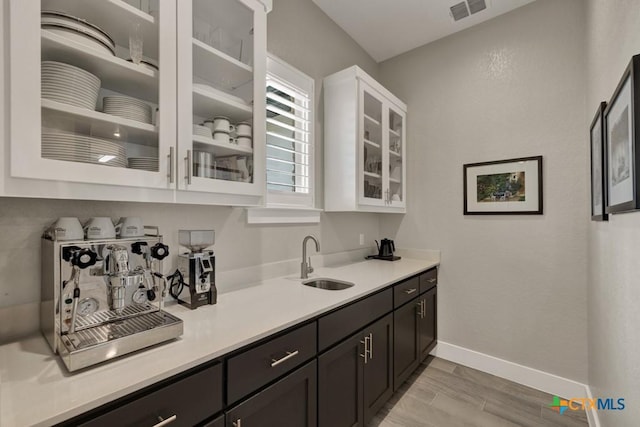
<point>386,248</point>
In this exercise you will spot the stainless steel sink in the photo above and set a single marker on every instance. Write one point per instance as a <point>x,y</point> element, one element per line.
<point>328,284</point>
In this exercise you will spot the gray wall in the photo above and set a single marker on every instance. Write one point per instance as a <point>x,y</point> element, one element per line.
<point>513,287</point>
<point>614,246</point>
<point>299,33</point>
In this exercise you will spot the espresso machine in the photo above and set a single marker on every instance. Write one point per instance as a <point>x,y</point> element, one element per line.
<point>104,298</point>
<point>194,283</point>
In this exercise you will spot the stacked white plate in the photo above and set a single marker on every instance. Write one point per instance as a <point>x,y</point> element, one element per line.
<point>201,130</point>
<point>69,84</point>
<point>80,148</point>
<point>77,30</point>
<point>127,108</point>
<point>144,163</point>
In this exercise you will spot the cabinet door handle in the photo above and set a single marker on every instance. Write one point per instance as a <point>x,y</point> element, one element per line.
<point>410,291</point>
<point>424,308</point>
<point>164,422</point>
<point>370,345</point>
<point>290,354</point>
<point>188,168</point>
<point>237,423</point>
<point>432,280</point>
<point>171,175</point>
<point>366,349</point>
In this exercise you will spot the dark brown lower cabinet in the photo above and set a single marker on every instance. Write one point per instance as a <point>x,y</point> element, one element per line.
<point>414,334</point>
<point>428,326</point>
<point>378,369</point>
<point>178,402</point>
<point>344,387</point>
<point>406,354</point>
<point>355,377</point>
<point>290,402</point>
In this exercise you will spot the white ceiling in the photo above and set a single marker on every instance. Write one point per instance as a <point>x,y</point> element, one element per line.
<point>386,28</point>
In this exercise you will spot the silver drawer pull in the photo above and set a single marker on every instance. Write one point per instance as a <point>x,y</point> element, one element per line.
<point>171,174</point>
<point>164,422</point>
<point>188,164</point>
<point>290,354</point>
<point>432,280</point>
<point>410,291</point>
<point>237,423</point>
<point>366,354</point>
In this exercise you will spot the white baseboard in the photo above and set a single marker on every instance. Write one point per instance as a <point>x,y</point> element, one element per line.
<point>520,374</point>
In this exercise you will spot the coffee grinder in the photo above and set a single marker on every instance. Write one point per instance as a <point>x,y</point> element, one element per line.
<point>194,283</point>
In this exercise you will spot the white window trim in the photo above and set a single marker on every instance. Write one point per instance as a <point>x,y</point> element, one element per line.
<point>276,209</point>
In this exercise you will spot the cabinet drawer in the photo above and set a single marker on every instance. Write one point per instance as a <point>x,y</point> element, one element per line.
<point>406,291</point>
<point>342,323</point>
<point>250,370</point>
<point>428,279</point>
<point>191,400</point>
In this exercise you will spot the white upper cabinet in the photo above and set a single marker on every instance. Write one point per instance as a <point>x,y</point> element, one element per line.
<point>86,107</point>
<point>221,100</point>
<point>365,145</point>
<point>104,95</point>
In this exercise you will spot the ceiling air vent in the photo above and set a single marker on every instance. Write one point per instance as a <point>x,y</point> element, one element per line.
<point>462,9</point>
<point>459,11</point>
<point>476,6</point>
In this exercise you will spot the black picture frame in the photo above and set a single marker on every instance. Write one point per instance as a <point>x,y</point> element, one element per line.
<point>598,166</point>
<point>622,153</point>
<point>486,191</point>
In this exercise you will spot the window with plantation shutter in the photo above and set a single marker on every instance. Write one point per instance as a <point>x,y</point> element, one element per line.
<point>289,161</point>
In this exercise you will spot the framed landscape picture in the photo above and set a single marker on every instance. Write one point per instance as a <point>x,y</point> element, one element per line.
<point>621,128</point>
<point>598,171</point>
<point>503,187</point>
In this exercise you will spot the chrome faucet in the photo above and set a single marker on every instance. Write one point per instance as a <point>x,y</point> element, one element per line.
<point>305,268</point>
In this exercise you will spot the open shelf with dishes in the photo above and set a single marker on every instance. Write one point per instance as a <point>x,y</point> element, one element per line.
<point>115,17</point>
<point>117,74</point>
<point>96,123</point>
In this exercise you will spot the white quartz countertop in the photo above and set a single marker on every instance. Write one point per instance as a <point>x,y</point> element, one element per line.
<point>36,389</point>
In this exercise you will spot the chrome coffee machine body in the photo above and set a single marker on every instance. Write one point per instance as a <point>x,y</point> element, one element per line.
<point>103,298</point>
<point>194,284</point>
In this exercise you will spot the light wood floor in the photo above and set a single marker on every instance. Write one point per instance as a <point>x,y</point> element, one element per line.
<point>444,394</point>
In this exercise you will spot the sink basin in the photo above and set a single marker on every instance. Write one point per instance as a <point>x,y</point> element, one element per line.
<point>328,284</point>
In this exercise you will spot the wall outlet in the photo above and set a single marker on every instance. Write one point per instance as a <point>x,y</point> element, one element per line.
<point>361,239</point>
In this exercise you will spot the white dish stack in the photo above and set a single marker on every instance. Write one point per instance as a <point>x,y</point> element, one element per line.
<point>144,163</point>
<point>69,84</point>
<point>79,148</point>
<point>203,131</point>
<point>78,30</point>
<point>127,108</point>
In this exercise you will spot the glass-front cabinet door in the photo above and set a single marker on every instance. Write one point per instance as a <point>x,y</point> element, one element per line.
<point>93,93</point>
<point>371,145</point>
<point>396,153</point>
<point>382,147</point>
<point>221,93</point>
